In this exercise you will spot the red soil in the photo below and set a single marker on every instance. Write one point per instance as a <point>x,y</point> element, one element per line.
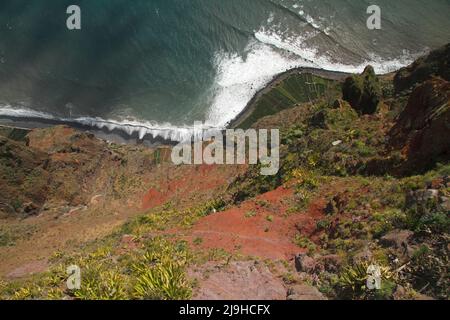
<point>189,182</point>
<point>259,227</point>
<point>153,198</point>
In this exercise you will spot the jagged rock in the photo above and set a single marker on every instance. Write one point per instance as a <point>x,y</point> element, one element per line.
<point>445,203</point>
<point>337,204</point>
<point>447,181</point>
<point>437,63</point>
<point>398,239</point>
<point>304,292</point>
<point>23,182</point>
<point>331,209</point>
<point>31,209</point>
<point>421,197</point>
<point>304,263</point>
<point>63,139</point>
<point>331,263</point>
<point>243,280</point>
<point>422,129</point>
<point>363,92</point>
<point>431,194</point>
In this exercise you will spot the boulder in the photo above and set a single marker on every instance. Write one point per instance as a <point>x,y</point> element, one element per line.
<point>331,263</point>
<point>445,203</point>
<point>240,280</point>
<point>337,204</point>
<point>304,263</point>
<point>421,197</point>
<point>398,239</point>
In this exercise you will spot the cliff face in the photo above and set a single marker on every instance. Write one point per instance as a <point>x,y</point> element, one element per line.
<point>24,181</point>
<point>60,167</point>
<point>361,182</point>
<point>422,130</point>
<point>437,63</point>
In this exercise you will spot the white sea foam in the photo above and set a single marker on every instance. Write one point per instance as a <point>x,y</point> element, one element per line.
<point>130,127</point>
<point>239,78</point>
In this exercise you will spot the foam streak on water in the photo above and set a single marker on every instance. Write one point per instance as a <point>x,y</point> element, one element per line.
<point>239,78</point>
<point>201,61</point>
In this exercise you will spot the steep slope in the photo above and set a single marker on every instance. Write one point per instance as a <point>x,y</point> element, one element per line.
<point>354,190</point>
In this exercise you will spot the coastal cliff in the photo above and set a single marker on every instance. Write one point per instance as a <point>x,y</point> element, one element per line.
<point>364,180</point>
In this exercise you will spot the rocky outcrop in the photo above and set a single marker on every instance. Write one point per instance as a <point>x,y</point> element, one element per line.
<point>363,92</point>
<point>238,281</point>
<point>437,63</point>
<point>23,181</point>
<point>61,167</point>
<point>421,131</point>
<point>399,239</point>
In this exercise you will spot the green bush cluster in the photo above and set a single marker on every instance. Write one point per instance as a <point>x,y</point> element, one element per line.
<point>157,271</point>
<point>363,92</point>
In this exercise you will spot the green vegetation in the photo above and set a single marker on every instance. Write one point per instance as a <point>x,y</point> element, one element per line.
<point>352,283</point>
<point>332,143</point>
<point>363,92</point>
<point>251,214</point>
<point>165,218</point>
<point>305,243</point>
<point>157,270</point>
<point>5,238</point>
<point>296,89</point>
<point>359,204</point>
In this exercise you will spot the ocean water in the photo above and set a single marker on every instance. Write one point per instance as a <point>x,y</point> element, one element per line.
<point>156,66</point>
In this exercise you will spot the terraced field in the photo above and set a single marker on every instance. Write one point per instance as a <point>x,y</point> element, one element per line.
<point>291,90</point>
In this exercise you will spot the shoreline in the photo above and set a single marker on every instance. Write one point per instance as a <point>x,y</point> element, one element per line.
<point>121,137</point>
<point>250,107</point>
<point>116,135</point>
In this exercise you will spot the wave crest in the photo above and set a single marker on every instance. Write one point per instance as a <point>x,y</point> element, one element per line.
<point>238,78</point>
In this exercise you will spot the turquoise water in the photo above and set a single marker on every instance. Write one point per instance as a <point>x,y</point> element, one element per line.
<point>157,66</point>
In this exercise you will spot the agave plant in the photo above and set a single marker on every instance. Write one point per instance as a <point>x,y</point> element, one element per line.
<point>353,279</point>
<point>161,273</point>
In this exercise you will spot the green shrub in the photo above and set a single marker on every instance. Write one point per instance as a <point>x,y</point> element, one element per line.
<point>98,283</point>
<point>363,92</point>
<point>305,243</point>
<point>352,282</point>
<point>161,273</point>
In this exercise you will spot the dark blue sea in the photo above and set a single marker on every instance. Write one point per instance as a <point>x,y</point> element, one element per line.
<point>156,66</point>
